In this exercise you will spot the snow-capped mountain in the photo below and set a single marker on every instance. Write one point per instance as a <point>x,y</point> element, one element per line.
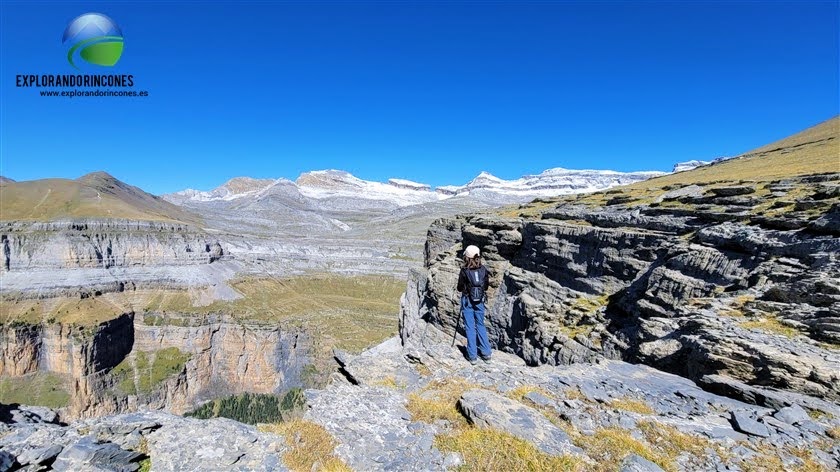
<point>331,186</point>
<point>688,165</point>
<point>552,182</point>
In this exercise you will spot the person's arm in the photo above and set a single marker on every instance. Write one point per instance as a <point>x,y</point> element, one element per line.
<point>462,282</point>
<point>486,279</point>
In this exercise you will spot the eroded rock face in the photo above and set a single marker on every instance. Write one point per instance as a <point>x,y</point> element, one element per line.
<point>697,290</point>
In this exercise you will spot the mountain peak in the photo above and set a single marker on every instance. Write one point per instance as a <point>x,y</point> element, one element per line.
<point>98,176</point>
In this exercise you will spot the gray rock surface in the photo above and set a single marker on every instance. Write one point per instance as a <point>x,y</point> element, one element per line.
<point>119,442</point>
<point>487,409</point>
<point>743,423</point>
<point>637,463</point>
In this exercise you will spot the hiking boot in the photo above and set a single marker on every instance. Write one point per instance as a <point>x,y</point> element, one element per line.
<point>473,361</point>
<point>486,359</point>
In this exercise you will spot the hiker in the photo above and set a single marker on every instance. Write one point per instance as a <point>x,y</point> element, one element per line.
<point>473,282</point>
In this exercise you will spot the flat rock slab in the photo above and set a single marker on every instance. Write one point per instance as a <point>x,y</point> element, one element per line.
<point>742,422</point>
<point>373,429</point>
<point>794,414</point>
<point>491,410</point>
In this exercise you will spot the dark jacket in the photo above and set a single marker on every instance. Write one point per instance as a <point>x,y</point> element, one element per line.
<point>464,283</point>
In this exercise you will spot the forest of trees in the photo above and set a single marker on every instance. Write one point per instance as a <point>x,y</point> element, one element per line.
<point>253,408</point>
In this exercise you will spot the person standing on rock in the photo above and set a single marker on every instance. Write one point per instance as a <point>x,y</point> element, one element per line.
<point>473,282</point>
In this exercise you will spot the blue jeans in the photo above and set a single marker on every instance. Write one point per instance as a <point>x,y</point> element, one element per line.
<point>474,326</point>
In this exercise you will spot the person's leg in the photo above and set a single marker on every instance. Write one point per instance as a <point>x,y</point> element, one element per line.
<point>481,332</point>
<point>469,326</point>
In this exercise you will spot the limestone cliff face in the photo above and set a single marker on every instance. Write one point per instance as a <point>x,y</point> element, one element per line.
<point>64,349</point>
<point>689,291</point>
<point>103,243</point>
<point>223,358</point>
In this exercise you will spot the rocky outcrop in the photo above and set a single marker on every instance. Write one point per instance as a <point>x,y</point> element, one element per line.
<point>371,411</point>
<point>703,285</point>
<point>122,442</point>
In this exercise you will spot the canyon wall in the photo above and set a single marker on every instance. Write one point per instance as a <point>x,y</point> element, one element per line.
<point>221,357</point>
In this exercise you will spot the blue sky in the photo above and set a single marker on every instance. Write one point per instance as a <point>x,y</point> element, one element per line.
<point>431,92</point>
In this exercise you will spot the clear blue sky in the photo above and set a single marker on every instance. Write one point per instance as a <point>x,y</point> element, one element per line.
<point>433,93</point>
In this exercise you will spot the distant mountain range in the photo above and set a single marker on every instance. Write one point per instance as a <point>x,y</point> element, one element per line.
<point>326,184</point>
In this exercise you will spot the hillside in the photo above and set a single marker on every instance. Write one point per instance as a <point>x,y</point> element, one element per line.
<point>815,150</point>
<point>95,195</point>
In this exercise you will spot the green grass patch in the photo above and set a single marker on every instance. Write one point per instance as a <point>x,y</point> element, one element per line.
<point>147,370</point>
<point>38,389</point>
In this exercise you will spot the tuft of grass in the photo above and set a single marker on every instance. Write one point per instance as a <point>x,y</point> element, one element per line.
<point>444,405</point>
<point>673,442</point>
<point>423,370</point>
<point>771,325</point>
<point>574,393</point>
<point>490,449</point>
<point>311,446</point>
<point>37,389</point>
<point>765,461</point>
<point>519,392</point>
<point>833,433</point>
<point>388,382</point>
<point>145,465</point>
<point>819,415</point>
<point>633,405</point>
<point>609,446</point>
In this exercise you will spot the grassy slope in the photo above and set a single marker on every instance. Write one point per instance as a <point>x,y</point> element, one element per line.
<point>813,151</point>
<point>96,195</point>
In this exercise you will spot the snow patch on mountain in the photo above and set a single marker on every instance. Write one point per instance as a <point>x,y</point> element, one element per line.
<point>688,165</point>
<point>332,187</point>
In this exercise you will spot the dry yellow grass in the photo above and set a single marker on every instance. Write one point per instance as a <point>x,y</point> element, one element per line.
<point>672,442</point>
<point>633,405</point>
<point>833,433</point>
<point>519,392</point>
<point>311,447</point>
<point>771,325</point>
<point>574,393</point>
<point>485,449</point>
<point>439,401</point>
<point>768,462</point>
<point>609,446</point>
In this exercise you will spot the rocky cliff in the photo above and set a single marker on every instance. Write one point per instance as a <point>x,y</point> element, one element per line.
<point>702,281</point>
<point>103,244</point>
<point>128,363</point>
